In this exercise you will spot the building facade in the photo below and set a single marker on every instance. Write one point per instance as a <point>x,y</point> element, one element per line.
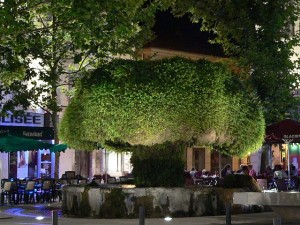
<point>23,164</point>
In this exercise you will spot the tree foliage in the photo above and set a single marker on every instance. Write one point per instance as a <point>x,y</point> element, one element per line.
<point>261,35</point>
<point>151,102</point>
<point>46,45</point>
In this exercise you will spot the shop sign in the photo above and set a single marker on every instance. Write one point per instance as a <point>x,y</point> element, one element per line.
<point>291,136</point>
<point>38,133</point>
<point>28,119</point>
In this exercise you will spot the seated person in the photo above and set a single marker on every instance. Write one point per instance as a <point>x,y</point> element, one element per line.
<point>198,175</point>
<point>192,173</point>
<point>268,173</point>
<point>226,170</point>
<point>279,173</point>
<point>205,173</point>
<point>245,170</point>
<point>239,171</point>
<point>293,170</point>
<point>252,172</point>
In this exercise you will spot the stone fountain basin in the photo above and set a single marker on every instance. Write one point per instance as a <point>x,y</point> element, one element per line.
<point>111,201</point>
<point>285,204</point>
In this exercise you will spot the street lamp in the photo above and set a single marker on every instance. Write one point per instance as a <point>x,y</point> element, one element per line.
<point>287,142</point>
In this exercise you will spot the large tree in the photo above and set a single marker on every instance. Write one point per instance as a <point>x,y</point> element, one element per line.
<point>47,44</point>
<point>151,102</point>
<point>260,34</point>
<point>156,108</point>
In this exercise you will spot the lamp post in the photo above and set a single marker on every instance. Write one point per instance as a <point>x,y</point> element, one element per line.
<point>287,142</point>
<point>105,155</point>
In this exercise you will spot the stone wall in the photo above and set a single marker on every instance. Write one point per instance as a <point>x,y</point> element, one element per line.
<point>120,202</point>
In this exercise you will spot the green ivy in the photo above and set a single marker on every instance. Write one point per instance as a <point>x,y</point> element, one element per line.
<point>151,102</point>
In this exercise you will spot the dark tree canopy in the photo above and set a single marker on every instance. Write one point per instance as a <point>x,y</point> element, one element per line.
<point>150,102</point>
<point>261,35</point>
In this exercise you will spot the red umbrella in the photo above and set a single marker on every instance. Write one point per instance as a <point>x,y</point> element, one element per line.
<point>285,129</point>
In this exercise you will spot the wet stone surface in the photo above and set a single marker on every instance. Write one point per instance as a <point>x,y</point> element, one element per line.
<point>31,210</point>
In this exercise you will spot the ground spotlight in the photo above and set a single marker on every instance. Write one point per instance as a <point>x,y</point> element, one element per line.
<point>168,218</point>
<point>39,218</point>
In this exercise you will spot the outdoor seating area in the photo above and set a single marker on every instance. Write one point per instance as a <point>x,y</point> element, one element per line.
<point>36,190</point>
<point>44,190</point>
<point>106,178</point>
<point>70,177</point>
<point>283,184</point>
<point>266,181</point>
<point>25,191</point>
<point>201,179</point>
<point>278,179</point>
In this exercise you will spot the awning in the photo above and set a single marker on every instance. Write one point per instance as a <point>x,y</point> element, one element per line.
<point>58,148</point>
<point>285,129</point>
<point>11,143</point>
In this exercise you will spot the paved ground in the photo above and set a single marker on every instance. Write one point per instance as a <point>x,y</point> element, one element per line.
<point>26,214</point>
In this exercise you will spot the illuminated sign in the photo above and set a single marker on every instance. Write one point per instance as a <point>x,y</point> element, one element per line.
<point>291,136</point>
<point>38,133</point>
<point>26,120</point>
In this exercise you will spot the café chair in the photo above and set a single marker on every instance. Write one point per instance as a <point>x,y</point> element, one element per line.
<point>73,181</point>
<point>82,181</point>
<point>29,192</point>
<point>70,174</point>
<point>97,180</point>
<point>47,190</point>
<point>10,192</point>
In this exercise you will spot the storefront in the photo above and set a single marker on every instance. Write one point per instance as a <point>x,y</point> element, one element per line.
<point>283,139</point>
<point>32,163</point>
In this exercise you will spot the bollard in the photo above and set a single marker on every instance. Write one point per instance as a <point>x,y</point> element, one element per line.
<point>228,213</point>
<point>276,221</point>
<point>142,215</point>
<point>54,217</point>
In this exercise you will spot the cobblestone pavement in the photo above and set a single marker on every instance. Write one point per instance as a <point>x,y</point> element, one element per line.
<point>27,214</point>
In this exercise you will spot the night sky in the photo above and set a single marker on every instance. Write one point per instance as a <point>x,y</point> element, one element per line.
<point>183,35</point>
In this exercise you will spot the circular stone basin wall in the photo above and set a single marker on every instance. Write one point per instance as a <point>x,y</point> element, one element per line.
<point>119,202</point>
<point>285,204</point>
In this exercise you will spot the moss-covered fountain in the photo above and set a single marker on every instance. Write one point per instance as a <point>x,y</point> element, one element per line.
<point>155,109</point>
<point>123,201</point>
